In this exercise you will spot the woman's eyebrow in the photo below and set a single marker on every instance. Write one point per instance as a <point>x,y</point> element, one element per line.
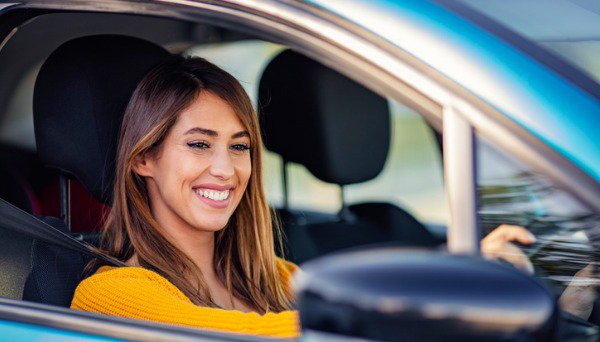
<point>241,134</point>
<point>205,131</point>
<point>212,133</point>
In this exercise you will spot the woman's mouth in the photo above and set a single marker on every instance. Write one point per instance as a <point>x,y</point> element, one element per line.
<point>214,198</point>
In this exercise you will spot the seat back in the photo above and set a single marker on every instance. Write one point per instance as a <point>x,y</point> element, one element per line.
<point>340,131</point>
<point>15,262</point>
<point>79,99</point>
<point>55,271</point>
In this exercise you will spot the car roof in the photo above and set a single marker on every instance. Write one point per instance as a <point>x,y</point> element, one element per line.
<point>532,87</point>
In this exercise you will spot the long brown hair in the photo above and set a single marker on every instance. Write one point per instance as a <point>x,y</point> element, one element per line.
<point>244,257</point>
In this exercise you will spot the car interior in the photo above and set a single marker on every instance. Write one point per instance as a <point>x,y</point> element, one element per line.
<point>58,144</point>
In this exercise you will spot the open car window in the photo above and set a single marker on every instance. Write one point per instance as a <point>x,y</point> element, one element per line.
<point>411,179</point>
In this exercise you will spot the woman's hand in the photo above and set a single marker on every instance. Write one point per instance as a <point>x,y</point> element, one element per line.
<point>498,244</point>
<point>577,299</point>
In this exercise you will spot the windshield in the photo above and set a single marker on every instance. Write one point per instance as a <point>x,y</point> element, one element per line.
<point>568,28</point>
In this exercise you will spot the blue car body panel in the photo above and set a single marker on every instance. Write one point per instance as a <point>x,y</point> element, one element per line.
<point>555,110</point>
<point>13,331</point>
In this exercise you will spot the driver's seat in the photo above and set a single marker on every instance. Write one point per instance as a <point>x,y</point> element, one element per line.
<point>79,99</point>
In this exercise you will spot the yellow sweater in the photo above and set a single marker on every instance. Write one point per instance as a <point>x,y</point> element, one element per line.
<point>135,292</point>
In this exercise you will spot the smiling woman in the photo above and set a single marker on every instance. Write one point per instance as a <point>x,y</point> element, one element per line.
<point>198,176</point>
<point>189,216</point>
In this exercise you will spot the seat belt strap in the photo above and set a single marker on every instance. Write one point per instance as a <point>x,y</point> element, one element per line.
<point>17,220</point>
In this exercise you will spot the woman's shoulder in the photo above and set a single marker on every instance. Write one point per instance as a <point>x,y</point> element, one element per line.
<point>126,272</point>
<point>108,278</point>
<point>113,273</point>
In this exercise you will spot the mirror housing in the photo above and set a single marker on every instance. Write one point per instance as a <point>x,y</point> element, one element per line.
<point>394,294</point>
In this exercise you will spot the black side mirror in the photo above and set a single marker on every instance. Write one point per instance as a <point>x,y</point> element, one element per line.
<point>390,294</point>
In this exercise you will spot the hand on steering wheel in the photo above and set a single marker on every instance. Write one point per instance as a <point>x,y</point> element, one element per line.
<point>498,244</point>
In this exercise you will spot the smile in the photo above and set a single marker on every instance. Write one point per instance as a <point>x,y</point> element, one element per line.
<point>213,194</point>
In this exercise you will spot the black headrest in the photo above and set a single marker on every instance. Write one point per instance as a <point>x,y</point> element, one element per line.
<point>321,119</point>
<point>80,95</point>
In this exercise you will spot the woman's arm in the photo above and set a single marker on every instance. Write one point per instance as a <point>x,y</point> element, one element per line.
<point>138,293</point>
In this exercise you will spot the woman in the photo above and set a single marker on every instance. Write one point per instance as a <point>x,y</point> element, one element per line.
<point>189,215</point>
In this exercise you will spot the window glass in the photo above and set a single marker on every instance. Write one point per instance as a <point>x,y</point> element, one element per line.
<point>566,252</point>
<point>568,28</point>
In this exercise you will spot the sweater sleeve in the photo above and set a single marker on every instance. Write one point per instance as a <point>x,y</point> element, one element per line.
<point>138,293</point>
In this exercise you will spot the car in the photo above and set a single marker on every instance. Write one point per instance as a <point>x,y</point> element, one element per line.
<point>389,124</point>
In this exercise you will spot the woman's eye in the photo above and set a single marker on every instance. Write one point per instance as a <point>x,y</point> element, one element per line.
<point>198,144</point>
<point>240,147</point>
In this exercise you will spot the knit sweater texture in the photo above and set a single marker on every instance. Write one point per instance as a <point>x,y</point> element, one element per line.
<point>135,292</point>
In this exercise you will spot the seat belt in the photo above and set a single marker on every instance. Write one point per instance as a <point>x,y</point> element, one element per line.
<point>17,220</point>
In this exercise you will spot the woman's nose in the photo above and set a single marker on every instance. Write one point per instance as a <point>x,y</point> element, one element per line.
<point>222,165</point>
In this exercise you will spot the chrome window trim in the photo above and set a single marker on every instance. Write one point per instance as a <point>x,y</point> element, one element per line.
<point>370,60</point>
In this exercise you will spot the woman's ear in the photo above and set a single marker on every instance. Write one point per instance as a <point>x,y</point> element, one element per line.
<point>143,165</point>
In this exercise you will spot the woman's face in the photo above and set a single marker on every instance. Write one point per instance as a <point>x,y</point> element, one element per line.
<point>200,171</point>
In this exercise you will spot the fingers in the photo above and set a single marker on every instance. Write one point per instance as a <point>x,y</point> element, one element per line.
<point>507,233</point>
<point>497,244</point>
<point>508,252</point>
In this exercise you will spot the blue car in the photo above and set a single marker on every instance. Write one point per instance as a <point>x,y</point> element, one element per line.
<point>398,134</point>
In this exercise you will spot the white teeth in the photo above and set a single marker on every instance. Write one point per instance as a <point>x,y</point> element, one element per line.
<point>213,195</point>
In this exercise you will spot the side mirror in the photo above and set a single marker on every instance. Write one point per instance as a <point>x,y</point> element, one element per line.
<point>390,294</point>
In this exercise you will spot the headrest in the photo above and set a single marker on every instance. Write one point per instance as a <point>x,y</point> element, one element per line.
<point>79,98</point>
<point>314,116</point>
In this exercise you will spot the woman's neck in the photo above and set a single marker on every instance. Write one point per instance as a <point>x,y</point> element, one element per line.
<point>197,245</point>
<point>200,250</point>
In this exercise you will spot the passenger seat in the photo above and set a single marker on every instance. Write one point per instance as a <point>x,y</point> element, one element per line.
<point>340,131</point>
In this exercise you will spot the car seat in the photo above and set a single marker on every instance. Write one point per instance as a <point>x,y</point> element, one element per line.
<point>19,176</point>
<point>340,131</point>
<point>79,99</point>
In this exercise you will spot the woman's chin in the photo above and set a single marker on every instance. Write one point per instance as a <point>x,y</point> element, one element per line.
<point>210,224</point>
